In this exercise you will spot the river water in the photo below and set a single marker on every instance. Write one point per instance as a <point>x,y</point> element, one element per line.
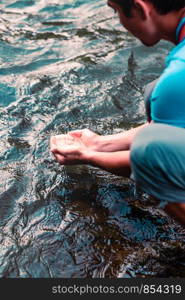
<point>65,65</point>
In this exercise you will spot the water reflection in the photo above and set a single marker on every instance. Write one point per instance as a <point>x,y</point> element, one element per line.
<point>66,66</point>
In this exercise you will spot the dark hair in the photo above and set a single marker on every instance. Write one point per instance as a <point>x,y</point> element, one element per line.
<point>161,6</point>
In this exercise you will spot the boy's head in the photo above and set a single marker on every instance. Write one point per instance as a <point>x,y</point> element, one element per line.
<point>162,6</point>
<point>150,20</point>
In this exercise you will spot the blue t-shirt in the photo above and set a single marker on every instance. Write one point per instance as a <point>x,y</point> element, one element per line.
<point>167,101</point>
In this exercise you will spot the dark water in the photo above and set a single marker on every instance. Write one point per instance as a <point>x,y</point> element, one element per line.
<point>66,65</point>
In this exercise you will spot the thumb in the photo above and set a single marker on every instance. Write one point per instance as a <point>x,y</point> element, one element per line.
<point>75,133</point>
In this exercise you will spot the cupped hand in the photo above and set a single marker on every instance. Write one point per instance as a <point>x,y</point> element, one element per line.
<point>69,149</point>
<point>87,137</point>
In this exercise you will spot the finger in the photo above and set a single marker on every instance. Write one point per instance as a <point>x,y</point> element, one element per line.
<point>65,150</point>
<point>63,160</point>
<point>52,142</point>
<point>56,150</point>
<point>60,158</point>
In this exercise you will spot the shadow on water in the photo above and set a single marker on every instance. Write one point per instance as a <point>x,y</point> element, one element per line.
<point>66,66</point>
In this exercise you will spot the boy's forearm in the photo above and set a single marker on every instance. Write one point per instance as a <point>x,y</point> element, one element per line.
<point>115,162</point>
<point>118,142</point>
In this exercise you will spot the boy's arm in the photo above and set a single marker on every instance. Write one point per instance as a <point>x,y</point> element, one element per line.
<point>107,143</point>
<point>115,162</point>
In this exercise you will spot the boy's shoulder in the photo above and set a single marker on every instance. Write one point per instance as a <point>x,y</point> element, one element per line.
<point>177,53</point>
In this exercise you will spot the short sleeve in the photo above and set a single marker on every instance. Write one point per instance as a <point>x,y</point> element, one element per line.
<point>167,101</point>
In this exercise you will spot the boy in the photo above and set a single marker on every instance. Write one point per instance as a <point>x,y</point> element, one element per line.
<point>153,152</point>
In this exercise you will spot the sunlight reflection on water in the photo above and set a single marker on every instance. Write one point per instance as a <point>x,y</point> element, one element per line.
<point>65,66</point>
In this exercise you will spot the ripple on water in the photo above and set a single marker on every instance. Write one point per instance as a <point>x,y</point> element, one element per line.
<point>65,66</point>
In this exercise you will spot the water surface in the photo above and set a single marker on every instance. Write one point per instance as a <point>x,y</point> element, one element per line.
<point>68,65</point>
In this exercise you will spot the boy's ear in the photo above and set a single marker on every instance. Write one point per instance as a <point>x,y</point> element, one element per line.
<point>142,9</point>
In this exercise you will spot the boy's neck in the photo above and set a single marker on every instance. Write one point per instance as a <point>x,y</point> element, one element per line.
<point>168,25</point>
<point>182,31</point>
